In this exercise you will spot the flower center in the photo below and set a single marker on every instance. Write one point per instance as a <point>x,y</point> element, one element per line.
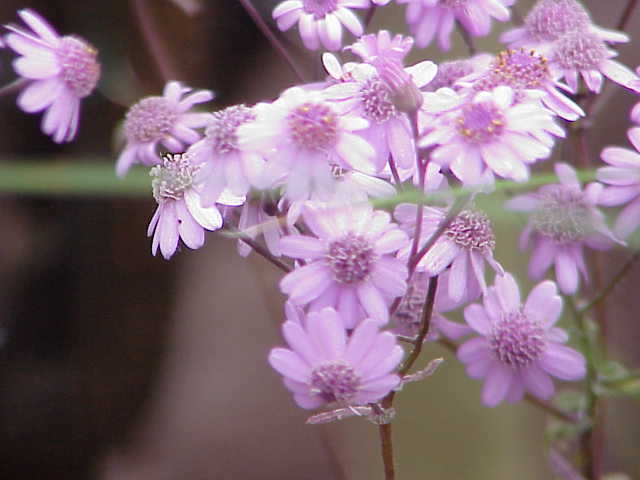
<point>313,126</point>
<point>221,131</point>
<point>80,69</point>
<point>319,8</point>
<point>551,19</point>
<point>518,69</point>
<point>472,230</point>
<point>172,177</point>
<point>580,51</point>
<point>454,4</point>
<point>376,100</point>
<point>562,215</point>
<point>481,122</point>
<point>448,74</point>
<point>150,119</point>
<point>334,382</point>
<point>516,340</point>
<point>351,258</point>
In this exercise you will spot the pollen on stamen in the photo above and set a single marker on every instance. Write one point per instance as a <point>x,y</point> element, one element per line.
<point>335,381</point>
<point>562,215</point>
<point>150,119</point>
<point>80,68</point>
<point>472,230</point>
<point>518,69</point>
<point>313,126</point>
<point>481,122</point>
<point>172,177</point>
<point>351,258</point>
<point>221,131</point>
<point>517,340</point>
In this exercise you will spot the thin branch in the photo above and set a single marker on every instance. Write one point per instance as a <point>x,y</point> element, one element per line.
<point>468,39</point>
<point>370,14</point>
<point>626,15</point>
<point>259,249</point>
<point>272,38</point>
<point>386,445</point>
<point>13,87</point>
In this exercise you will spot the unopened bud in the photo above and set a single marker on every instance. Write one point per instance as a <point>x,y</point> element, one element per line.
<point>405,94</point>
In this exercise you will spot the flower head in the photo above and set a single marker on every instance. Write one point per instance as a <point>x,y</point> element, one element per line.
<point>62,70</point>
<point>164,120</point>
<point>179,214</point>
<point>320,21</point>
<point>623,177</point>
<point>349,264</point>
<point>564,217</point>
<point>325,366</point>
<point>518,347</point>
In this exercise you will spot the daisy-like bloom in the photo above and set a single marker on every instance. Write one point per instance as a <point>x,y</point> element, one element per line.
<point>519,348</point>
<point>302,135</point>
<point>62,70</point>
<point>464,246</point>
<point>528,74</point>
<point>320,21</point>
<point>324,366</point>
<point>584,53</point>
<point>224,164</point>
<point>623,178</point>
<point>350,264</point>
<point>162,120</point>
<point>366,94</point>
<point>488,133</point>
<point>430,18</point>
<point>549,20</point>
<point>179,214</point>
<point>564,218</point>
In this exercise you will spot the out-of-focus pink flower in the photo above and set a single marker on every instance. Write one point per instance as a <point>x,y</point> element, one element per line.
<point>623,176</point>
<point>350,264</point>
<point>62,70</point>
<point>325,366</point>
<point>320,21</point>
<point>489,133</point>
<point>563,219</point>
<point>224,165</point>
<point>549,20</point>
<point>451,71</point>
<point>430,18</point>
<point>302,135</point>
<point>519,348</point>
<point>179,214</point>
<point>381,47</point>
<point>464,246</point>
<point>162,120</point>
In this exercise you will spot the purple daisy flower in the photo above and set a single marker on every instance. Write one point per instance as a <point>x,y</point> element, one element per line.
<point>519,348</point>
<point>489,133</point>
<point>224,164</point>
<point>320,21</point>
<point>325,366</point>
<point>464,246</point>
<point>350,265</point>
<point>302,135</point>
<point>549,20</point>
<point>62,70</point>
<point>430,18</point>
<point>563,219</point>
<point>164,120</point>
<point>179,214</point>
<point>623,176</point>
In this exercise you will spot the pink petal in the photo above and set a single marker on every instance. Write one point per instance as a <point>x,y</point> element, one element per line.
<point>563,362</point>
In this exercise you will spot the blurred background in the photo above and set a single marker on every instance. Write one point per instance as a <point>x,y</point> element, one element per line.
<point>116,365</point>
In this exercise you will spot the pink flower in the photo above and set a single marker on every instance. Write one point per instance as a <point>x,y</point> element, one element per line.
<point>164,120</point>
<point>623,176</point>
<point>464,246</point>
<point>430,18</point>
<point>179,214</point>
<point>349,264</point>
<point>302,135</point>
<point>564,218</point>
<point>489,133</point>
<point>320,21</point>
<point>325,366</point>
<point>225,165</point>
<point>379,48</point>
<point>450,72</point>
<point>62,70</point>
<point>549,20</point>
<point>519,348</point>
